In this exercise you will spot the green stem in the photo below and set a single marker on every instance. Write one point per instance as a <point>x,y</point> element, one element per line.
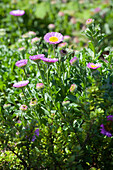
<point>40,72</point>
<point>54,50</point>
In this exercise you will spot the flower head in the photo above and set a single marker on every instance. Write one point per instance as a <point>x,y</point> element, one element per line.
<point>21,84</point>
<point>73,87</point>
<point>53,37</point>
<point>110,118</point>
<point>65,102</point>
<point>64,44</point>
<point>36,134</point>
<point>108,128</point>
<point>61,14</point>
<point>5,106</point>
<point>23,107</point>
<point>93,66</point>
<point>36,39</point>
<point>40,86</point>
<point>37,57</point>
<point>51,26</point>
<point>73,60</point>
<point>21,63</point>
<point>49,60</point>
<point>67,37</point>
<point>21,48</point>
<point>33,102</point>
<point>17,12</point>
<point>89,21</point>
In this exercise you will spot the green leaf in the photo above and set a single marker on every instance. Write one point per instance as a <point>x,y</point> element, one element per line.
<point>41,10</point>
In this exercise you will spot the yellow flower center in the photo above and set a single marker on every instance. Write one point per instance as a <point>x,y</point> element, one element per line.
<point>53,39</point>
<point>93,66</point>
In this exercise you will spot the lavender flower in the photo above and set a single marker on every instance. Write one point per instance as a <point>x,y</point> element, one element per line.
<point>53,37</point>
<point>110,118</point>
<point>49,60</point>
<point>107,129</point>
<point>93,66</point>
<point>21,63</point>
<point>17,12</point>
<point>36,134</point>
<point>21,84</point>
<point>37,57</point>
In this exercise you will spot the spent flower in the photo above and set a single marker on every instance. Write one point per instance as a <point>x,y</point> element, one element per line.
<point>23,107</point>
<point>39,86</point>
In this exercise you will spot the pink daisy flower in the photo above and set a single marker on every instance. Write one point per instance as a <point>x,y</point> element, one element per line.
<point>17,12</point>
<point>49,60</point>
<point>37,57</point>
<point>21,63</point>
<point>93,66</point>
<point>53,37</point>
<point>21,84</point>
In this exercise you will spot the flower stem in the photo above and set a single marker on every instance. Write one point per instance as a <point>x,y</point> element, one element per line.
<point>40,72</point>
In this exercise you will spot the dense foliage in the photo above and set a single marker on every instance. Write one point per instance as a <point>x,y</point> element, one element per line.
<point>60,114</point>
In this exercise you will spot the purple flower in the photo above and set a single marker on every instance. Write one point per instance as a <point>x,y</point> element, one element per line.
<point>49,60</point>
<point>39,86</point>
<point>17,12</point>
<point>36,134</point>
<point>21,63</point>
<point>73,60</point>
<point>104,132</point>
<point>21,84</point>
<point>93,66</point>
<point>107,129</point>
<point>53,37</point>
<point>23,107</point>
<point>37,57</point>
<point>110,118</point>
